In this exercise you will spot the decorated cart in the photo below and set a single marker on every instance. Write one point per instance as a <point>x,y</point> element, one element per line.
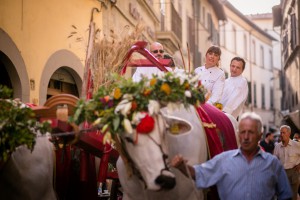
<point>86,129</point>
<point>77,148</point>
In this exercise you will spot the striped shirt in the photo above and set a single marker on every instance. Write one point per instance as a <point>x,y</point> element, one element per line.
<point>236,178</point>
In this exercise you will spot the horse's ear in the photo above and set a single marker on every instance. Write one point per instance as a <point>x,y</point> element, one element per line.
<point>176,125</point>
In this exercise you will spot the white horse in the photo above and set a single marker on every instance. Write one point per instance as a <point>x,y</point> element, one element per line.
<point>147,156</point>
<point>29,175</point>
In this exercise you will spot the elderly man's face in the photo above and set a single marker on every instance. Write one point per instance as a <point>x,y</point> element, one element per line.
<point>157,50</point>
<point>285,134</point>
<point>249,135</point>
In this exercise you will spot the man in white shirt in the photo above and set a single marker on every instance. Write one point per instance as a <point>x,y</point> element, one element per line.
<point>157,50</point>
<point>235,91</point>
<point>288,152</point>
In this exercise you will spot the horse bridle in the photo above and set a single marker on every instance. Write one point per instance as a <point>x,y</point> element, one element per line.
<point>164,156</point>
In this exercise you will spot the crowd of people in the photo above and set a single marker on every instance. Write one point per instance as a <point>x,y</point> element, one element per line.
<point>258,169</point>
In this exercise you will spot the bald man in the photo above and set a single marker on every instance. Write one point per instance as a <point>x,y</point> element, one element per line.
<point>157,50</point>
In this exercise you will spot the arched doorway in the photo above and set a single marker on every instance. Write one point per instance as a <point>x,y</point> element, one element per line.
<point>13,72</point>
<point>62,82</point>
<point>4,76</point>
<point>63,73</point>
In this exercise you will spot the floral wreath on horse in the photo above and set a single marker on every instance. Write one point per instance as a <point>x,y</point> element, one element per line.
<point>127,107</point>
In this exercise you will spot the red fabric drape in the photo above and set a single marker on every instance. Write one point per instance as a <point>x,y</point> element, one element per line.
<point>224,127</point>
<point>213,140</point>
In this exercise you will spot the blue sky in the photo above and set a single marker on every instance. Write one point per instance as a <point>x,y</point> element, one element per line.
<point>254,6</point>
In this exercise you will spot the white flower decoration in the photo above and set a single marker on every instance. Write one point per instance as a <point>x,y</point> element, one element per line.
<point>124,107</point>
<point>188,93</point>
<point>127,126</point>
<point>182,79</point>
<point>97,121</point>
<point>137,116</point>
<point>153,107</point>
<point>194,79</point>
<point>128,97</point>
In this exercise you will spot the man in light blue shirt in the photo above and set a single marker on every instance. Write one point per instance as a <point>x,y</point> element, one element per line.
<point>245,173</point>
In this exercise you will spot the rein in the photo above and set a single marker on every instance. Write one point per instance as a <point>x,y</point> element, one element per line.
<point>130,163</point>
<point>164,155</point>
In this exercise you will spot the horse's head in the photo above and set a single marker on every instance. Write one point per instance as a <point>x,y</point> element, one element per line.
<point>130,111</point>
<point>148,152</point>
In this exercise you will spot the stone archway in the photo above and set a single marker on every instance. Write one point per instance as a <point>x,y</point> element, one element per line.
<point>62,58</point>
<point>14,65</point>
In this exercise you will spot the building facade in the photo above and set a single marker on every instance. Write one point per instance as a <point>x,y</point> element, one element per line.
<point>44,45</point>
<point>265,22</point>
<point>286,16</point>
<point>239,36</point>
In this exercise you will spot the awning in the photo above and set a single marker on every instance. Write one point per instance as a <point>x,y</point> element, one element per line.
<point>277,17</point>
<point>219,10</point>
<point>294,117</point>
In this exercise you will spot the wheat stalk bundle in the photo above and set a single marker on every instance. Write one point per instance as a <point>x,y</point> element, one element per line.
<point>108,53</point>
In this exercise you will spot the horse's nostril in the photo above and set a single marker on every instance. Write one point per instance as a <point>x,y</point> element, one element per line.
<point>166,182</point>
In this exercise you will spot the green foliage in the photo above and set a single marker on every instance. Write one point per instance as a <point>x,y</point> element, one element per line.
<point>17,125</point>
<point>113,107</point>
<point>5,92</point>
